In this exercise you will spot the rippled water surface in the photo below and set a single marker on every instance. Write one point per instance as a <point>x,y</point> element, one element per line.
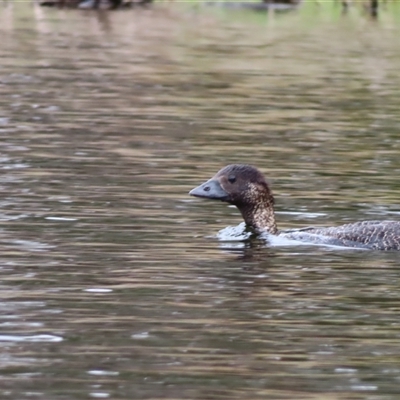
<point>115,283</point>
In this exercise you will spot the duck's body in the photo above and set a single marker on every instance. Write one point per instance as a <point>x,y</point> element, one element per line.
<point>246,188</point>
<point>378,235</point>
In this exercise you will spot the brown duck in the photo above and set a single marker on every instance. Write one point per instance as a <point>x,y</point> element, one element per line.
<point>245,187</point>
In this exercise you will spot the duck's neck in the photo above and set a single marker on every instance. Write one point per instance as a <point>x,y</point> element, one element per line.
<point>260,216</point>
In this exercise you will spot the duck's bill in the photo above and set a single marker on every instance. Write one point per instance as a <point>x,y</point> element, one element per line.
<point>210,190</point>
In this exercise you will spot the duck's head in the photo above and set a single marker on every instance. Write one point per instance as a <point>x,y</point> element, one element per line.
<point>245,187</point>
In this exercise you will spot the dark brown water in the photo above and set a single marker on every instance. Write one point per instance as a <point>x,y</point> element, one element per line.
<point>114,283</point>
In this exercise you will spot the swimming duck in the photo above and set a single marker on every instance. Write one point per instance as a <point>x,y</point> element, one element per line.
<point>245,187</point>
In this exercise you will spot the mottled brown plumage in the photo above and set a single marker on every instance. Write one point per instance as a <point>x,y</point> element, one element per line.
<point>246,188</point>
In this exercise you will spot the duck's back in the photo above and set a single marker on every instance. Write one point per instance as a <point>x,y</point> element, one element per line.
<point>379,235</point>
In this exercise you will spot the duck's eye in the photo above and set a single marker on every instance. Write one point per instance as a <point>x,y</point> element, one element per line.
<point>232,178</point>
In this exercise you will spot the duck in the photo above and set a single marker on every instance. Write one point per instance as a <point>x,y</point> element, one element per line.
<point>245,187</point>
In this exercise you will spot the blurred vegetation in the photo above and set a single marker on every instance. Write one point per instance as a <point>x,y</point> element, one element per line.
<point>367,7</point>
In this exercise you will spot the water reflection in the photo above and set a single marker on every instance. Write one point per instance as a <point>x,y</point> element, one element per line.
<point>107,121</point>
